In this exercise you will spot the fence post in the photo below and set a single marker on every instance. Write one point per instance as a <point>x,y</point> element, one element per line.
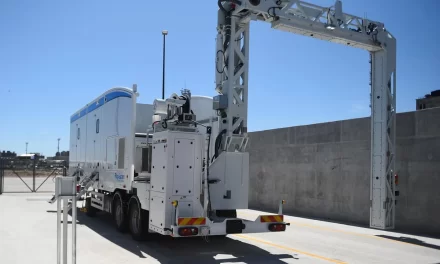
<point>2,174</point>
<point>64,169</point>
<point>33,172</point>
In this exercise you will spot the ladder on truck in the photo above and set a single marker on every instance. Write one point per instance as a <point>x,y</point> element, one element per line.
<point>83,185</point>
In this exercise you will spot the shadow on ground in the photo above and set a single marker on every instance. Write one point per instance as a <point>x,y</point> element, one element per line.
<point>411,241</point>
<point>181,250</point>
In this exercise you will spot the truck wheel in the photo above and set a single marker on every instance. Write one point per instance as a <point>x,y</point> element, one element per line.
<point>137,220</point>
<point>118,213</point>
<point>91,211</point>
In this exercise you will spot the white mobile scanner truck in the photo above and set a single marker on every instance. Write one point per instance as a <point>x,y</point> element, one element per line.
<point>162,168</point>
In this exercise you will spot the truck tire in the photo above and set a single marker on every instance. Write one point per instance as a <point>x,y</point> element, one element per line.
<point>118,212</point>
<point>90,211</point>
<point>137,220</point>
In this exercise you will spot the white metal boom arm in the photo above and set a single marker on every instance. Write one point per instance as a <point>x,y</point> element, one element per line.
<point>326,23</point>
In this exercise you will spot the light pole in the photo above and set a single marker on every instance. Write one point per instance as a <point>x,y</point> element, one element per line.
<point>26,146</point>
<point>164,33</point>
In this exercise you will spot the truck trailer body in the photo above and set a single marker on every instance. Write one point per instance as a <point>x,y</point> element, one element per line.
<point>160,168</point>
<point>103,134</point>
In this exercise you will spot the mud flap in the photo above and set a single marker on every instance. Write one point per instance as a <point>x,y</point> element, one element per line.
<point>234,226</point>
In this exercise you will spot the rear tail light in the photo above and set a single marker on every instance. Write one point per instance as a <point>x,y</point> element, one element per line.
<point>188,231</point>
<point>277,227</point>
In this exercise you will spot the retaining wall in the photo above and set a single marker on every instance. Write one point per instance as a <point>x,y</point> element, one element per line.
<point>323,170</point>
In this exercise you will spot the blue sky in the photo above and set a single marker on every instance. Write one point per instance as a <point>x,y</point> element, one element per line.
<point>56,56</point>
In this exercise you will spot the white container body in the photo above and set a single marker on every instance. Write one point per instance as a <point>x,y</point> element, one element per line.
<point>102,137</point>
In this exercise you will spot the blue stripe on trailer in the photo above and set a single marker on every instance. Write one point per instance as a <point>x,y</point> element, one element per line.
<point>115,95</point>
<point>95,105</point>
<point>98,103</point>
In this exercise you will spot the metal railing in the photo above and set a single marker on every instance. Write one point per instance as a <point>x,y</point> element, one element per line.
<point>32,174</point>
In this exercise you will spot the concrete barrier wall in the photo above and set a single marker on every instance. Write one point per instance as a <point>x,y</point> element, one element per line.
<point>323,170</point>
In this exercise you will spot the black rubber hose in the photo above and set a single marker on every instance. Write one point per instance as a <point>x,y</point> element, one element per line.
<point>218,142</point>
<point>227,22</point>
<point>208,129</point>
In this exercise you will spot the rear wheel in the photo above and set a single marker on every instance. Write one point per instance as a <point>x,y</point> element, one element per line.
<point>118,212</point>
<point>138,220</point>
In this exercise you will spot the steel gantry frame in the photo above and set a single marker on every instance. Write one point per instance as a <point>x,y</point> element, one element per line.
<point>325,23</point>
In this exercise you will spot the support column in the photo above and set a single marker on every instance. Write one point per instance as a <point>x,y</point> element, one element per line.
<point>65,223</point>
<point>59,201</point>
<point>65,189</point>
<point>383,134</point>
<point>232,57</point>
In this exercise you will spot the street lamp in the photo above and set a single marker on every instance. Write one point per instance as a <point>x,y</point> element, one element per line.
<point>164,33</point>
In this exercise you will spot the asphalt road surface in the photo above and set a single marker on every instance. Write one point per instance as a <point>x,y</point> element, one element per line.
<point>28,235</point>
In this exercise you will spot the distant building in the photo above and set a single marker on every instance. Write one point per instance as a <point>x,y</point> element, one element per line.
<point>429,101</point>
<point>25,156</point>
<point>39,155</point>
<point>30,156</point>
<point>8,154</point>
<point>58,158</point>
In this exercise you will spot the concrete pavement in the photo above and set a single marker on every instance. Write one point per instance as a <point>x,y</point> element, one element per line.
<point>28,235</point>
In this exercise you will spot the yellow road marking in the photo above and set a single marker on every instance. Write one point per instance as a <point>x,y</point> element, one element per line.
<point>345,232</point>
<point>290,249</point>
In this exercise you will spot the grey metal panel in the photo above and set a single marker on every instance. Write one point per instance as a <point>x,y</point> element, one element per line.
<point>144,114</point>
